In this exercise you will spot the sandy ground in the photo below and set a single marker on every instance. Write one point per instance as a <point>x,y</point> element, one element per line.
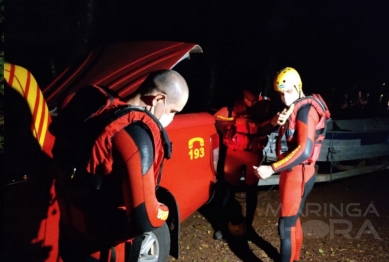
<point>344,220</point>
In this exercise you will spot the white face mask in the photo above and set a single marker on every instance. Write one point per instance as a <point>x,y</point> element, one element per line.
<point>288,98</point>
<point>165,119</point>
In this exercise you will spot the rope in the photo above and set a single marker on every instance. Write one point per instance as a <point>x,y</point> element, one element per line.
<point>331,153</point>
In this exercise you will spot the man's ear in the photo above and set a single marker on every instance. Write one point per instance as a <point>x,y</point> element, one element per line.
<point>157,98</point>
<point>148,99</point>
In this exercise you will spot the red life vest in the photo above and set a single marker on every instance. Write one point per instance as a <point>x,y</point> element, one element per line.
<point>317,102</point>
<point>101,156</point>
<point>245,136</point>
<point>242,136</point>
<point>84,125</point>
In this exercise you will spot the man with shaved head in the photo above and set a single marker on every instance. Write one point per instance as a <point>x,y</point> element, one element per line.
<point>163,93</point>
<point>129,151</point>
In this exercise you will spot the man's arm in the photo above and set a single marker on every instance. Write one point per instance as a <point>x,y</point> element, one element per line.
<point>266,127</point>
<point>306,121</point>
<point>136,149</point>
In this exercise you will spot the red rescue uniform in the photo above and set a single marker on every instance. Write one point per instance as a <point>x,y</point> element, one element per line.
<point>128,155</point>
<point>302,132</point>
<point>244,144</point>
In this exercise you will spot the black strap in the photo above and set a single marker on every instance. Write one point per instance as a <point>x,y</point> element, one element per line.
<point>159,176</point>
<point>113,255</point>
<point>123,110</point>
<point>108,119</point>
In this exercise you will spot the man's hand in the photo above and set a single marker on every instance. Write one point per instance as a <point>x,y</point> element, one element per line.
<point>280,118</point>
<point>263,172</point>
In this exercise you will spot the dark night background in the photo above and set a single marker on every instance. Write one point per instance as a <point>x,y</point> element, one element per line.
<point>337,46</point>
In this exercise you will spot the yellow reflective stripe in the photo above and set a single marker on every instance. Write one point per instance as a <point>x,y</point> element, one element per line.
<point>16,82</point>
<point>37,106</point>
<point>225,118</point>
<point>45,121</point>
<point>22,74</point>
<point>20,85</point>
<point>287,158</point>
<point>33,92</point>
<point>7,73</point>
<point>40,119</point>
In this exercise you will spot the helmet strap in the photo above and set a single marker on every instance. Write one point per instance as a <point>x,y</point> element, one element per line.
<point>298,91</point>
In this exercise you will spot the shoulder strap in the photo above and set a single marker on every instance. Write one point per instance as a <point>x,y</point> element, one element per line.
<point>167,145</point>
<point>316,98</point>
<point>82,157</point>
<point>123,110</point>
<point>82,120</point>
<point>320,106</point>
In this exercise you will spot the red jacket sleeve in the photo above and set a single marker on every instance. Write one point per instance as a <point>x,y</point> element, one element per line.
<point>306,121</point>
<point>135,147</point>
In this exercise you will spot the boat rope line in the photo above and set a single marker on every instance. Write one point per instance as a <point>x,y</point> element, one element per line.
<point>331,153</point>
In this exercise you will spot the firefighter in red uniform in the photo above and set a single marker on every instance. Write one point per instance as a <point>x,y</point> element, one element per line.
<point>244,150</point>
<point>303,127</point>
<point>242,135</point>
<point>131,150</point>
